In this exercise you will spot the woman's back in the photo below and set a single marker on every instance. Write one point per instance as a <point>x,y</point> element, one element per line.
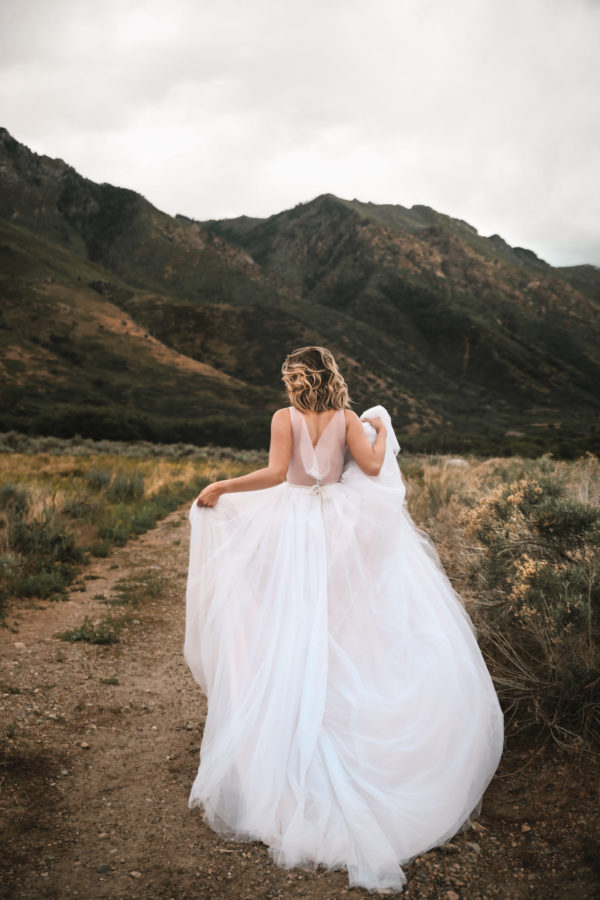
<point>323,461</point>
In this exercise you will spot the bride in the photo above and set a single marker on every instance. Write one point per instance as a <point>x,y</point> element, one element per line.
<point>352,721</point>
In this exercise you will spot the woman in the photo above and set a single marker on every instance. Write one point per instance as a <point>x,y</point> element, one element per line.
<point>352,721</point>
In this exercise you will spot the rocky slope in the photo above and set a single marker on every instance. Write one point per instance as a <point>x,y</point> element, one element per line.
<point>470,343</point>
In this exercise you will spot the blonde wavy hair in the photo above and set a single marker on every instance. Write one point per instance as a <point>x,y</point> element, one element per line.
<point>313,381</point>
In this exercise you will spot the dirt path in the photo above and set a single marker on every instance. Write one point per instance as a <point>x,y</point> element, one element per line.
<point>95,776</point>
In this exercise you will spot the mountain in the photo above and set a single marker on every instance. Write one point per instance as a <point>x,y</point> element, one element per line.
<point>475,330</point>
<point>119,319</point>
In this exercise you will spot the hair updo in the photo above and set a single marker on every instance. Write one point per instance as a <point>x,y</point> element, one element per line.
<point>313,381</point>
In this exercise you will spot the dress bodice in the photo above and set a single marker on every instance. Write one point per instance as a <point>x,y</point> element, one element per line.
<point>320,464</point>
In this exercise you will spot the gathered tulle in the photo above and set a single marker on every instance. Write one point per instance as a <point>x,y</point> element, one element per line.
<point>352,721</point>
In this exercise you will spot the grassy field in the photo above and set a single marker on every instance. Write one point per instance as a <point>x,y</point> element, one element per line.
<point>63,501</point>
<point>520,539</point>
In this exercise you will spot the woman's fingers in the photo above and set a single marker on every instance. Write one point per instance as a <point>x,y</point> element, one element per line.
<point>208,496</point>
<point>375,422</point>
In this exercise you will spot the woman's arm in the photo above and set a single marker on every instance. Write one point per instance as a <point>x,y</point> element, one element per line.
<point>368,456</point>
<point>280,452</point>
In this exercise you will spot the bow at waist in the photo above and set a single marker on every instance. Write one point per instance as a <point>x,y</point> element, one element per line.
<point>317,488</point>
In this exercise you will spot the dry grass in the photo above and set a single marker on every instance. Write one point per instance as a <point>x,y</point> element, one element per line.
<point>520,539</point>
<point>61,502</point>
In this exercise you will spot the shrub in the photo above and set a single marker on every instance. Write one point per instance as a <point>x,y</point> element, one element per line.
<point>100,549</point>
<point>14,500</point>
<point>40,556</point>
<point>114,534</point>
<point>76,508</point>
<point>44,541</point>
<point>43,584</point>
<point>146,586</point>
<point>126,488</point>
<point>106,631</point>
<point>143,521</point>
<point>97,479</point>
<point>541,564</point>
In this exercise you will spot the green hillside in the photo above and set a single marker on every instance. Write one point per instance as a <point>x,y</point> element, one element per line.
<point>476,336</point>
<point>73,360</point>
<point>118,320</point>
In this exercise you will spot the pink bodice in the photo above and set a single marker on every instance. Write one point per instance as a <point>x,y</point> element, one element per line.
<point>322,464</point>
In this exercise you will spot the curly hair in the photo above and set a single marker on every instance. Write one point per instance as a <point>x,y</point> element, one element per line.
<point>313,380</point>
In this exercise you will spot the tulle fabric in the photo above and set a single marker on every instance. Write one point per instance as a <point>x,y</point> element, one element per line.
<point>352,721</point>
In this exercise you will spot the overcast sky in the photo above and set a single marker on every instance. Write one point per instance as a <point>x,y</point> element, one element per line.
<point>487,110</point>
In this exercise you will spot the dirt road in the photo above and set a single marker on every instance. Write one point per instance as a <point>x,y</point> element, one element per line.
<point>99,747</point>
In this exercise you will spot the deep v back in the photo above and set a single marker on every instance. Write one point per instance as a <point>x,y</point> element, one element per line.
<point>323,462</point>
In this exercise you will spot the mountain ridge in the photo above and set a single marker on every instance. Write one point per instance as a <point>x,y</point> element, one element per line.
<point>463,337</point>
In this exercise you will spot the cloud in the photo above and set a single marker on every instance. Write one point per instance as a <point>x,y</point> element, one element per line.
<point>484,109</point>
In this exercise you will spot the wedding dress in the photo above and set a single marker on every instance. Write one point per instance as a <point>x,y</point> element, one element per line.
<point>352,721</point>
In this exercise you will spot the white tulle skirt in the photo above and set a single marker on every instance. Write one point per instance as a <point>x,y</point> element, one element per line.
<point>352,721</point>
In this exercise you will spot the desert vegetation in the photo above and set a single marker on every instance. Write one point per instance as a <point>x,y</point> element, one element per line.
<point>63,501</point>
<point>519,538</point>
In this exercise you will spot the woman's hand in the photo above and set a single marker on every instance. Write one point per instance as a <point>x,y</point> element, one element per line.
<point>376,423</point>
<point>369,456</point>
<point>211,493</point>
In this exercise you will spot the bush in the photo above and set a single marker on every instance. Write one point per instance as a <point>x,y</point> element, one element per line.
<point>100,549</point>
<point>41,557</point>
<point>145,586</point>
<point>44,541</point>
<point>114,534</point>
<point>106,631</point>
<point>14,500</point>
<point>126,488</point>
<point>541,564</point>
<point>143,521</point>
<point>76,509</point>
<point>43,584</point>
<point>97,479</point>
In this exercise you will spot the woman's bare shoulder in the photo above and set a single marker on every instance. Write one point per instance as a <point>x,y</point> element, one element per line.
<point>281,415</point>
<point>351,416</point>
